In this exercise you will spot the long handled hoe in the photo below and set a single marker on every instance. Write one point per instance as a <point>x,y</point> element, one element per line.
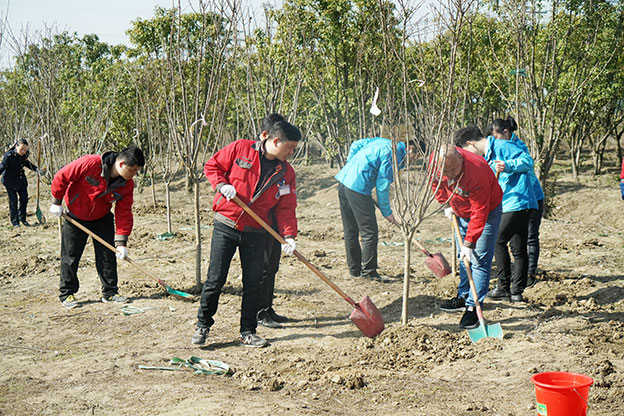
<point>177,293</point>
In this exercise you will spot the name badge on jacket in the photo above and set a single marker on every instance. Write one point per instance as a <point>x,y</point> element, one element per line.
<point>284,189</point>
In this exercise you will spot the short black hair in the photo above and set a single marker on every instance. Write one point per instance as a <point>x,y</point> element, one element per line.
<point>133,156</point>
<point>269,120</point>
<point>468,133</point>
<point>499,125</point>
<point>285,131</point>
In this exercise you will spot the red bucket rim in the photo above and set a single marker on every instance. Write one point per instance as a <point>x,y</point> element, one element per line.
<point>575,380</point>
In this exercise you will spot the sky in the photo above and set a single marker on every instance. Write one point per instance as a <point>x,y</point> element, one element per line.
<point>109,19</point>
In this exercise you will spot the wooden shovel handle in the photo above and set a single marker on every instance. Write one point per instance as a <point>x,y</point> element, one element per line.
<point>300,256</point>
<point>113,249</point>
<point>473,288</point>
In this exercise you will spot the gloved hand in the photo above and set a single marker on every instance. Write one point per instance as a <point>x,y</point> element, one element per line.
<point>56,210</point>
<point>228,191</point>
<point>122,252</point>
<point>468,253</point>
<point>622,189</point>
<point>449,213</point>
<point>289,247</point>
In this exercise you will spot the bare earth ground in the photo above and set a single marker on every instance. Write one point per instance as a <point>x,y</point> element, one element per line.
<point>85,360</point>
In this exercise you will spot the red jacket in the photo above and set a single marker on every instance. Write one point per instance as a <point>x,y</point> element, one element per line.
<point>83,184</point>
<point>475,196</point>
<point>238,164</point>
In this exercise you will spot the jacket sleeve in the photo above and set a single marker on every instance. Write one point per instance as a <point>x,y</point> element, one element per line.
<point>385,177</point>
<point>219,165</point>
<point>356,146</point>
<point>622,173</point>
<point>124,219</point>
<point>285,209</point>
<point>522,163</point>
<point>3,164</point>
<point>65,176</point>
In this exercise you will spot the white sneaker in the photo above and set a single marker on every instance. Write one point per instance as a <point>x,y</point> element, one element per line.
<point>117,298</point>
<point>70,302</point>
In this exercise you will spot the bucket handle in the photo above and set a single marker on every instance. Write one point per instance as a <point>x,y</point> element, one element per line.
<point>579,394</point>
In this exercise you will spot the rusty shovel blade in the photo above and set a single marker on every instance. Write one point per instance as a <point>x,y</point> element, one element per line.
<point>438,265</point>
<point>367,318</point>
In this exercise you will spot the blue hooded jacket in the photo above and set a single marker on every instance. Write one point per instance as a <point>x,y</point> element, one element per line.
<point>515,182</point>
<point>535,183</point>
<point>369,165</point>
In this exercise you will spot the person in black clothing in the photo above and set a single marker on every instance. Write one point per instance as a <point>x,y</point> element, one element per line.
<point>14,180</point>
<point>272,254</point>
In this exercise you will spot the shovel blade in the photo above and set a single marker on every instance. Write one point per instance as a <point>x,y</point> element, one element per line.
<point>179,294</point>
<point>367,318</point>
<point>484,331</point>
<point>39,215</point>
<point>438,265</point>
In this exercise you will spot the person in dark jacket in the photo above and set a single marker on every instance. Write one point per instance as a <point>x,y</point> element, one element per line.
<point>14,180</point>
<point>258,173</point>
<point>90,186</point>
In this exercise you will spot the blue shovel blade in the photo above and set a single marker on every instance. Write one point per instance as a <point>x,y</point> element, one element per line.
<point>484,331</point>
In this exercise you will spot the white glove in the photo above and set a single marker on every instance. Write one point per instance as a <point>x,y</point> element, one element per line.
<point>289,247</point>
<point>122,252</point>
<point>228,191</point>
<point>449,213</point>
<point>56,210</point>
<point>468,253</point>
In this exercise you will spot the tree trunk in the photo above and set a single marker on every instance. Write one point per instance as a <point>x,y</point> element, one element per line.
<point>168,204</point>
<point>406,276</point>
<point>153,188</point>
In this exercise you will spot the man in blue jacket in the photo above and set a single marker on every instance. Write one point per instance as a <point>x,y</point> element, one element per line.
<point>369,165</point>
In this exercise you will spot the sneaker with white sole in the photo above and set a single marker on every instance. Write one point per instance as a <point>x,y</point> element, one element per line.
<point>253,340</point>
<point>117,298</point>
<point>70,302</point>
<point>453,305</point>
<point>199,337</point>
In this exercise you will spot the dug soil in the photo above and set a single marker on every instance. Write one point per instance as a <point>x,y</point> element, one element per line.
<point>86,361</point>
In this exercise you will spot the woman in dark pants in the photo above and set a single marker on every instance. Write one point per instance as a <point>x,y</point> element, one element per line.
<point>14,180</point>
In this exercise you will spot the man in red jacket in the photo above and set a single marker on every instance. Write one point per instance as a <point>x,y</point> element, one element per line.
<point>90,186</point>
<point>256,172</point>
<point>469,186</point>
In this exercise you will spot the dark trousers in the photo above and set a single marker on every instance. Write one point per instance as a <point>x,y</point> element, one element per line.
<point>533,245</point>
<point>225,240</point>
<point>272,255</point>
<point>18,213</point>
<point>73,242</point>
<point>514,228</point>
<point>358,220</point>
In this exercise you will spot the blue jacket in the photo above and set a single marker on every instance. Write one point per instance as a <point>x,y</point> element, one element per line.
<point>537,187</point>
<point>515,182</point>
<point>369,165</point>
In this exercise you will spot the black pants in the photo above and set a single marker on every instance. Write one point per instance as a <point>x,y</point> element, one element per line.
<point>533,245</point>
<point>18,214</point>
<point>514,228</point>
<point>73,242</point>
<point>225,240</point>
<point>358,220</point>
<point>272,255</point>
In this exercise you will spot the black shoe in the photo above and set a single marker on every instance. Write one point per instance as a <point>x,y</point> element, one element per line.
<point>371,274</point>
<point>531,280</point>
<point>199,338</point>
<point>277,318</point>
<point>453,305</point>
<point>354,274</point>
<point>16,226</point>
<point>26,223</point>
<point>266,320</point>
<point>470,319</point>
<point>499,294</point>
<point>517,299</point>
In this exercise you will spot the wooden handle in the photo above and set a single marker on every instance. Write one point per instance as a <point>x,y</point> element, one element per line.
<point>300,256</point>
<point>113,249</point>
<point>473,288</point>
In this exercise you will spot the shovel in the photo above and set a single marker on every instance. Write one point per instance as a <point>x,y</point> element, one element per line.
<point>177,293</point>
<point>38,212</point>
<point>365,314</point>
<point>435,262</point>
<point>483,330</point>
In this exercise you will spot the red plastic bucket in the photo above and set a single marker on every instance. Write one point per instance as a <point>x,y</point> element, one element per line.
<point>559,393</point>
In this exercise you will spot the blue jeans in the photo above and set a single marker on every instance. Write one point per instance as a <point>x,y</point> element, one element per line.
<point>484,252</point>
<point>250,245</point>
